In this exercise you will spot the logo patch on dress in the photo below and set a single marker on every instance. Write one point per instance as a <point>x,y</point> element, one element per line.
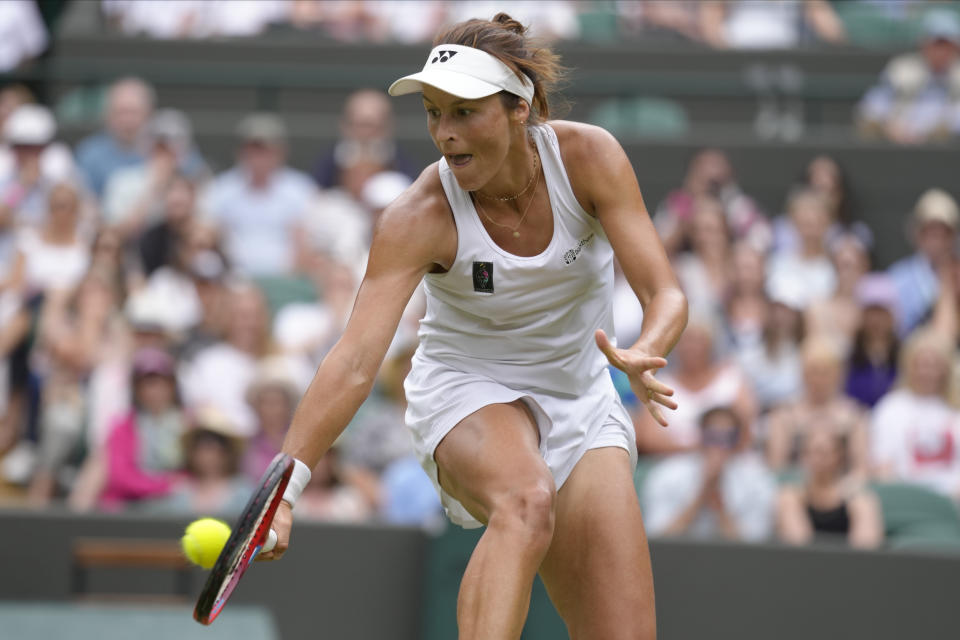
<point>483,277</point>
<point>571,255</point>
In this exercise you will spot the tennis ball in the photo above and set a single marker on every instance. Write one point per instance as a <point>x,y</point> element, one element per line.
<point>203,541</point>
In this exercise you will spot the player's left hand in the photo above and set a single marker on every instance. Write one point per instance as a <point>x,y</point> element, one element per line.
<point>640,367</point>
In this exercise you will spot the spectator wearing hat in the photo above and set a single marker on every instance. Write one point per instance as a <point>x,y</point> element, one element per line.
<point>143,453</point>
<point>720,489</point>
<point>872,365</point>
<point>935,220</point>
<point>273,395</point>
<point>37,163</point>
<point>124,141</point>
<point>213,483</point>
<point>918,97</point>
<point>260,204</point>
<point>134,196</point>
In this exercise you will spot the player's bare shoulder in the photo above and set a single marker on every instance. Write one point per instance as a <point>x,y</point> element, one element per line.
<point>591,155</point>
<point>420,221</point>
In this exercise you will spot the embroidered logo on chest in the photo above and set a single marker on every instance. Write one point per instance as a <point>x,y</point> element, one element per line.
<point>571,254</point>
<point>483,277</point>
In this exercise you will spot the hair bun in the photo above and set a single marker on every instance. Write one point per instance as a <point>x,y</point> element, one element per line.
<point>508,23</point>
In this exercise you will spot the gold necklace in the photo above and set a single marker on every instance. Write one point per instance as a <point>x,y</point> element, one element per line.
<point>536,173</point>
<point>516,233</point>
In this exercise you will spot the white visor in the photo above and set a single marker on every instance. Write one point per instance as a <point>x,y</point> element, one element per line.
<point>465,72</point>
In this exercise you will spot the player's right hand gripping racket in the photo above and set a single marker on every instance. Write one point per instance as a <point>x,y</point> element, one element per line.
<point>248,537</point>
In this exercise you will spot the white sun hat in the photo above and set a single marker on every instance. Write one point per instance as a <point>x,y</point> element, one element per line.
<point>465,72</point>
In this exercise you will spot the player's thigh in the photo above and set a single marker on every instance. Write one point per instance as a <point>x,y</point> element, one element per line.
<point>492,453</point>
<point>597,570</point>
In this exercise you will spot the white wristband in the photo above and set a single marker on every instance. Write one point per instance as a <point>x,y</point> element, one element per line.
<point>298,480</point>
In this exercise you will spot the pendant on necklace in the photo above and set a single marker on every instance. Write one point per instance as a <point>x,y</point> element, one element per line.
<point>516,234</point>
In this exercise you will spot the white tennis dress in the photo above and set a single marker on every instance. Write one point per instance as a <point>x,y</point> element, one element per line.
<point>501,327</point>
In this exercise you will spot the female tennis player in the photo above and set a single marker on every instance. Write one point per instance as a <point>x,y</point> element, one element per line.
<point>511,405</point>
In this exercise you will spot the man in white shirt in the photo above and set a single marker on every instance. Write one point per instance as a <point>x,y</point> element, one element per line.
<point>259,205</point>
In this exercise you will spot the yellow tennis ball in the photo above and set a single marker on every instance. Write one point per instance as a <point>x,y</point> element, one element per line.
<point>203,541</point>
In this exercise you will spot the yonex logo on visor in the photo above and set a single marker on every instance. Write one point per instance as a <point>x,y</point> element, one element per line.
<point>465,72</point>
<point>443,57</point>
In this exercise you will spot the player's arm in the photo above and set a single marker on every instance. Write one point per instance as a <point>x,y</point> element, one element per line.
<point>604,181</point>
<point>408,242</point>
<point>412,237</point>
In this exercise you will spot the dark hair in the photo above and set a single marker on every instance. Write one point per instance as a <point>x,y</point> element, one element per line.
<point>727,411</point>
<point>846,208</point>
<point>506,39</point>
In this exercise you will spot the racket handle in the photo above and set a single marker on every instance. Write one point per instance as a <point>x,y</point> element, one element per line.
<point>270,543</point>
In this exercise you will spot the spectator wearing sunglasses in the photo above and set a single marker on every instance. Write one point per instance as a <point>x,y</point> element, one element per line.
<point>717,490</point>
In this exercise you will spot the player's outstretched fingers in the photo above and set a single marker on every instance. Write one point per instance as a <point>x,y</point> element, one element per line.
<point>663,400</point>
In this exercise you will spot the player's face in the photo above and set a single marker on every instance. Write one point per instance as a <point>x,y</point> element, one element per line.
<point>473,135</point>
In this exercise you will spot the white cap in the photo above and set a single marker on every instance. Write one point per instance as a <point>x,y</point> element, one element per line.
<point>30,124</point>
<point>465,72</point>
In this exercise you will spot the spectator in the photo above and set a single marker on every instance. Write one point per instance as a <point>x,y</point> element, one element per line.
<point>915,433</point>
<point>367,139</point>
<point>824,175</point>
<point>307,330</point>
<point>772,363</point>
<point>213,483</point>
<point>54,256</point>
<point>143,454</point>
<point>705,272</point>
<point>746,304</point>
<point>77,332</point>
<point>134,196</point>
<point>164,243</point>
<point>839,315</point>
<point>821,406</point>
<point>260,204</point>
<point>827,505</point>
<point>701,381</point>
<point>123,142</point>
<point>935,219</point>
<point>918,97</point>
<point>718,490</point>
<point>710,174</point>
<point>330,497</point>
<point>804,273</point>
<point>23,35</point>
<point>36,164</point>
<point>273,395</point>
<point>207,269</point>
<point>219,375</point>
<point>743,24</point>
<point>872,366</point>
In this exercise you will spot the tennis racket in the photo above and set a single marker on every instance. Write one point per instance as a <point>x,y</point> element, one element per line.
<point>248,537</point>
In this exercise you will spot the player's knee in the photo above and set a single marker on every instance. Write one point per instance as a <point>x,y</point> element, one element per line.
<point>528,509</point>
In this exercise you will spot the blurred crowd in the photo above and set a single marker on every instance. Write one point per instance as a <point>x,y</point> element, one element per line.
<point>724,24</point>
<point>159,319</point>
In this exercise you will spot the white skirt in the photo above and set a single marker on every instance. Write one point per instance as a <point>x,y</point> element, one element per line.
<point>440,397</point>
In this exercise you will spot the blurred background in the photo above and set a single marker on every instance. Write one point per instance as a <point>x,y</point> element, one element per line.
<point>187,194</point>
